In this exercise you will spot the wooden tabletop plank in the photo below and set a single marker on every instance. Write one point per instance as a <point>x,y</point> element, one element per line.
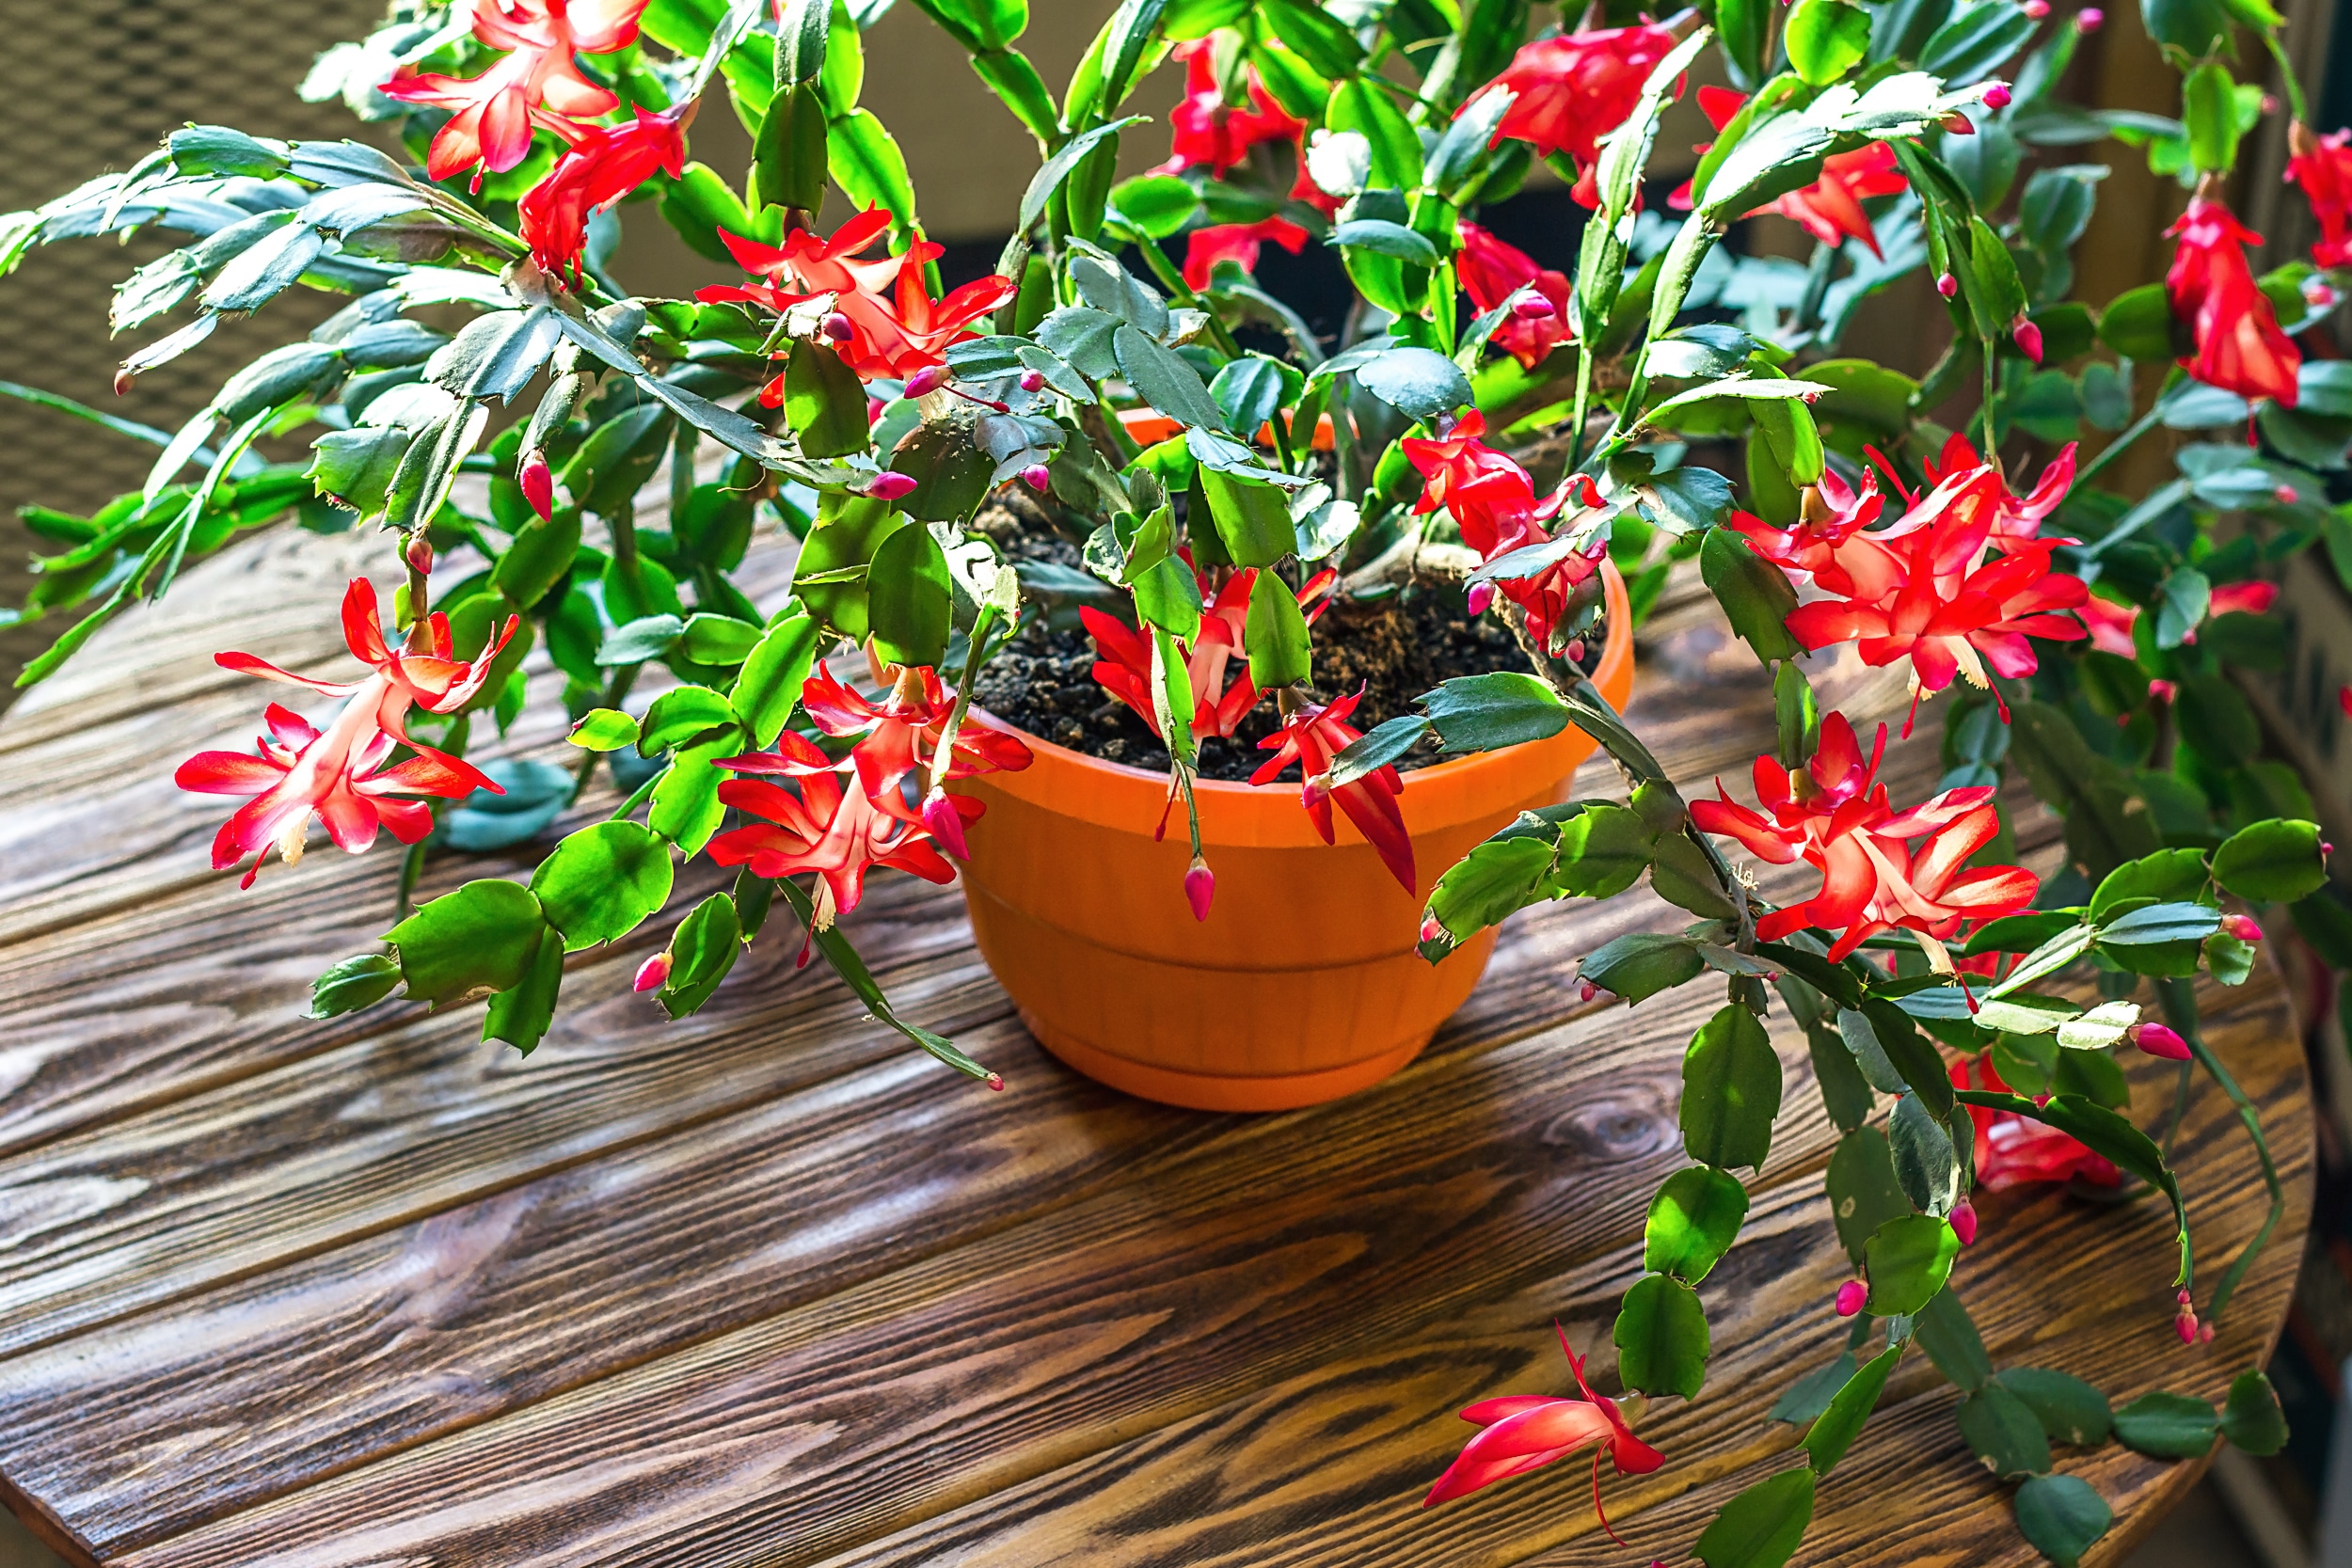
<point>1343,1234</point>
<point>247,1259</point>
<point>1328,1467</point>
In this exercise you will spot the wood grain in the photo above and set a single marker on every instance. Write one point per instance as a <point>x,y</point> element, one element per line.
<point>763,1287</point>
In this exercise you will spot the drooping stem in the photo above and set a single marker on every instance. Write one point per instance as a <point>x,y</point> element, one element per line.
<point>2179,1001</point>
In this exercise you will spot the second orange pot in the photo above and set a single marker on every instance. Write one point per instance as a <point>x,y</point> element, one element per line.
<point>1304,984</point>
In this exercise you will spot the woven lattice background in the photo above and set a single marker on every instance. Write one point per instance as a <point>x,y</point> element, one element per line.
<point>88,86</point>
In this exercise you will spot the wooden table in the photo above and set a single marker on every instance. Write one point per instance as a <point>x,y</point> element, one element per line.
<point>765,1286</point>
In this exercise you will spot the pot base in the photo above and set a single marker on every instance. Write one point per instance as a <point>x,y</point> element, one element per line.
<point>1204,1091</point>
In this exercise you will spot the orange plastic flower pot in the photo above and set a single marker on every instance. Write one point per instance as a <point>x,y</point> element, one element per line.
<point>1304,984</point>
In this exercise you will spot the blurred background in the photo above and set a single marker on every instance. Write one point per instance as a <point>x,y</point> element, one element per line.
<point>87,85</point>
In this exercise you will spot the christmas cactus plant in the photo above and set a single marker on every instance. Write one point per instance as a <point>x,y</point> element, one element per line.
<point>1120,436</point>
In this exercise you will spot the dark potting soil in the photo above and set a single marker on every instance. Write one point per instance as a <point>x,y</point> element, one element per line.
<point>1394,649</point>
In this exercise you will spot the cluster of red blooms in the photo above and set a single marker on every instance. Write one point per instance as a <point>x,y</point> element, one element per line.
<point>539,86</point>
<point>1576,88</point>
<point>1960,581</point>
<point>840,833</point>
<point>883,321</point>
<point>1209,133</point>
<point>1217,666</point>
<point>1492,500</point>
<point>1217,663</point>
<point>1835,815</point>
<point>339,774</point>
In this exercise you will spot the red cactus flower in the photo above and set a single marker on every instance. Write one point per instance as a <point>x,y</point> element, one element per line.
<point>1835,815</point>
<point>1493,272</point>
<point>2016,519</point>
<point>1311,737</point>
<point>1833,512</point>
<point>2015,1151</point>
<point>900,736</point>
<point>2111,625</point>
<point>1218,662</point>
<point>895,327</point>
<point>2323,167</point>
<point>420,672</point>
<point>839,834</point>
<point>539,80</point>
<point>1830,209</point>
<point>2239,345</point>
<point>1210,134</point>
<point>1237,243</point>
<point>1492,500</point>
<point>604,165</point>
<point>2243,598</point>
<point>1923,589</point>
<point>1527,1432</point>
<point>1575,88</point>
<point>339,773</point>
<point>298,769</point>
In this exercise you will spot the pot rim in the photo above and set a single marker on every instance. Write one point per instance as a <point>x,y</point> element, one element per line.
<point>1112,793</point>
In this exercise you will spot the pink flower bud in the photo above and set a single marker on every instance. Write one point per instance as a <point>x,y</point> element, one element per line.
<point>2270,104</point>
<point>1483,594</point>
<point>2283,494</point>
<point>889,487</point>
<point>1037,477</point>
<point>837,328</point>
<point>2317,293</point>
<point>1586,991</point>
<point>1530,307</point>
<point>1946,285</point>
<point>997,1082</point>
<point>928,379</point>
<point>1851,1295</point>
<point>2184,1325</point>
<point>1996,96</point>
<point>944,824</point>
<point>418,555</point>
<point>2204,1334</point>
<point>2163,691</point>
<point>1957,124</point>
<point>125,379</point>
<point>2241,927</point>
<point>1433,929</point>
<point>653,973</point>
<point>2157,1040</point>
<point>2036,8</point>
<point>1032,381</point>
<point>538,484</point>
<point>1576,651</point>
<point>2090,19</point>
<point>1199,887</point>
<point>1964,1222</point>
<point>2027,338</point>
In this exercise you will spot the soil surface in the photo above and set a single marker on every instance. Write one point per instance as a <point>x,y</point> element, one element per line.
<point>1393,648</point>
